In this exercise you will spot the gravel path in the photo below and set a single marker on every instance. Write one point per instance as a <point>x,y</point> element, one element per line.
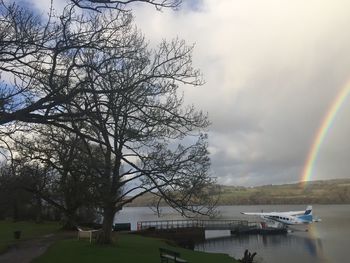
<point>25,251</point>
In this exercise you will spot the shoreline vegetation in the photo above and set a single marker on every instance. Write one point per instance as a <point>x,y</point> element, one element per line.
<point>336,191</point>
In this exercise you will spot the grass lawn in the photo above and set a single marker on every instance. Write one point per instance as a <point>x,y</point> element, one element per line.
<point>129,248</point>
<point>28,230</point>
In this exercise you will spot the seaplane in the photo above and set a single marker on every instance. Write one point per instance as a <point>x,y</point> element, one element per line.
<point>288,218</point>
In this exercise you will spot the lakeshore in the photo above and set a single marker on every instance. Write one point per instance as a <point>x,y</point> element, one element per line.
<point>324,242</point>
<point>49,245</point>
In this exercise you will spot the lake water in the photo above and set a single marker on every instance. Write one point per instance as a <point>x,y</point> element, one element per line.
<point>327,241</point>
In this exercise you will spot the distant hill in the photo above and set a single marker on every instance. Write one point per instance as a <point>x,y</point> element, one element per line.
<point>335,191</point>
<point>316,192</point>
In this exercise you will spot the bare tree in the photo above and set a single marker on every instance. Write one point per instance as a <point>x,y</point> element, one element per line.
<point>16,202</point>
<point>121,5</point>
<point>137,118</point>
<point>94,76</point>
<point>70,181</point>
<point>40,62</point>
<point>40,56</point>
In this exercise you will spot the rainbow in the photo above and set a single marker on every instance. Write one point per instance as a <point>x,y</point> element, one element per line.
<point>322,132</point>
<point>316,242</point>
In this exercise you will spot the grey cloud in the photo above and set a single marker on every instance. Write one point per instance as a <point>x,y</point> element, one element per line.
<point>272,69</point>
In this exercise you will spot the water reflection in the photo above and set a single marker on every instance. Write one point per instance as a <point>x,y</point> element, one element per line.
<point>293,247</point>
<point>327,241</point>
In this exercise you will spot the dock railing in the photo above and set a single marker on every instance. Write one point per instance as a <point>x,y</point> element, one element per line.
<point>220,224</point>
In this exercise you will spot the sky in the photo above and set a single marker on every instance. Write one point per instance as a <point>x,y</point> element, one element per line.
<point>272,70</point>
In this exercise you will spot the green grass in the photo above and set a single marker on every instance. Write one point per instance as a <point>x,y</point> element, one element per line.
<point>128,248</point>
<point>28,230</point>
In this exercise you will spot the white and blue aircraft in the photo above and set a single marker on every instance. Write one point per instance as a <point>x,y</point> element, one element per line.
<point>288,218</point>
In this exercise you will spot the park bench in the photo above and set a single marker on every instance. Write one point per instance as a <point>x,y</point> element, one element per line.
<point>167,255</point>
<point>90,234</point>
<point>122,227</point>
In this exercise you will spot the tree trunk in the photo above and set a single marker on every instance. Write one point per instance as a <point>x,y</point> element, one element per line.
<point>38,216</point>
<point>70,220</point>
<point>15,210</point>
<point>106,235</point>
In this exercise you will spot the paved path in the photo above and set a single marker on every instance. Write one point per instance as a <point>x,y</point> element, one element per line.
<point>25,251</point>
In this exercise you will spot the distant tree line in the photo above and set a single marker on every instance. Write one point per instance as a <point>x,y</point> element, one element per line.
<point>319,192</point>
<point>92,118</point>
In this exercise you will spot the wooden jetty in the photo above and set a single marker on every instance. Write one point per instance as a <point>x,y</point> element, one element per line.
<point>235,226</point>
<point>194,223</point>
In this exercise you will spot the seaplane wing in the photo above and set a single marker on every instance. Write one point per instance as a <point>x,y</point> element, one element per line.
<point>287,218</point>
<point>254,214</point>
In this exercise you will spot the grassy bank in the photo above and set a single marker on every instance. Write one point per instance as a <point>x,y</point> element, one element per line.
<point>128,248</point>
<point>28,230</point>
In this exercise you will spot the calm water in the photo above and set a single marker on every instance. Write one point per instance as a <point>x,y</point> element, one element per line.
<point>327,241</point>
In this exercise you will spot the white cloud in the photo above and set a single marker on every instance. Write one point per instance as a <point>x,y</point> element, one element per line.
<point>272,68</point>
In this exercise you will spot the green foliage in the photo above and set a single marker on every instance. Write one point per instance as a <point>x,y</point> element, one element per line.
<point>28,230</point>
<point>129,248</point>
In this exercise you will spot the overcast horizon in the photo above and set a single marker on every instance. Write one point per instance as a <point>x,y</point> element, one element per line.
<point>272,70</point>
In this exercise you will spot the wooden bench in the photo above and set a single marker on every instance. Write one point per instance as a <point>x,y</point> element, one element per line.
<point>90,234</point>
<point>167,255</point>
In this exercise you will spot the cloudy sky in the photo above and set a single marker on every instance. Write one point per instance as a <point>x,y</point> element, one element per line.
<point>272,70</point>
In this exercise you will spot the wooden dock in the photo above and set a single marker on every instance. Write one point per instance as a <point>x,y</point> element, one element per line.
<point>235,226</point>
<point>196,223</point>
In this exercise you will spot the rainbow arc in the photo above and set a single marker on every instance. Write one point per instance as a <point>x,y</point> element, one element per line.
<point>322,132</point>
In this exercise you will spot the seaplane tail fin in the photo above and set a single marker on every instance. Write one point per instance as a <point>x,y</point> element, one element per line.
<point>308,210</point>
